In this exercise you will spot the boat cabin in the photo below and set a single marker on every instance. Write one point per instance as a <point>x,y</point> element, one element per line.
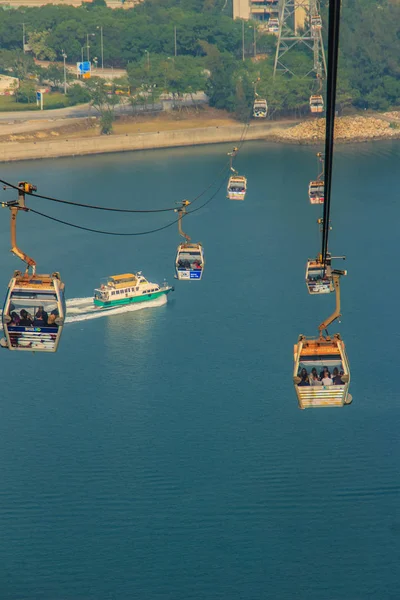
<point>316,192</point>
<point>118,287</point>
<point>316,104</point>
<point>321,373</point>
<point>189,262</point>
<point>319,278</point>
<point>237,187</point>
<point>34,312</point>
<point>260,109</point>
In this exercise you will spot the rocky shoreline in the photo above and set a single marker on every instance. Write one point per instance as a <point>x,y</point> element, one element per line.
<point>312,131</point>
<point>347,130</point>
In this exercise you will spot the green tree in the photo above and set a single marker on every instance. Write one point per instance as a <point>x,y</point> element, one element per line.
<point>103,101</point>
<point>77,94</point>
<point>21,65</point>
<point>54,74</point>
<point>26,93</point>
<point>38,41</point>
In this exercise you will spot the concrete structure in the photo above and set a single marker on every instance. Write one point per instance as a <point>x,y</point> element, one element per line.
<point>259,10</point>
<point>8,85</point>
<point>12,151</point>
<point>36,3</point>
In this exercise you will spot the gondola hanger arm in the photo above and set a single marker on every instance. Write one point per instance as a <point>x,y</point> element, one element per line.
<point>336,313</point>
<point>15,206</point>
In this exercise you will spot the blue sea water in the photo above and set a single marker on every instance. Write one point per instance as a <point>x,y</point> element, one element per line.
<point>160,454</point>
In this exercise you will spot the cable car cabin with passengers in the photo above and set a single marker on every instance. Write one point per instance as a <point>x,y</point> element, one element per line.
<point>273,25</point>
<point>319,279</point>
<point>189,262</point>
<point>316,104</point>
<point>34,312</point>
<point>260,109</point>
<point>237,187</point>
<point>326,358</point>
<point>316,23</point>
<point>316,192</point>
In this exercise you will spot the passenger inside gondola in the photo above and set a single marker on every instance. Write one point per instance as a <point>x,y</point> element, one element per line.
<point>26,319</point>
<point>189,261</point>
<point>32,312</point>
<point>41,318</point>
<point>320,374</point>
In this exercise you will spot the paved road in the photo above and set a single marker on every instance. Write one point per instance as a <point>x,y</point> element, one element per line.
<point>85,110</point>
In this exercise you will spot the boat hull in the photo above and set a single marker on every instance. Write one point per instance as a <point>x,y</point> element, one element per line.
<point>131,300</point>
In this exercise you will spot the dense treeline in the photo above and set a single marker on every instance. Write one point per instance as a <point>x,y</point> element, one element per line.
<point>209,48</point>
<point>127,33</point>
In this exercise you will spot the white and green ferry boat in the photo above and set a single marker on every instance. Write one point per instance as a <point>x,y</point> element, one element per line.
<point>118,290</point>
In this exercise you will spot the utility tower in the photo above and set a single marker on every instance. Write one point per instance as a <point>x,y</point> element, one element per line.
<point>300,25</point>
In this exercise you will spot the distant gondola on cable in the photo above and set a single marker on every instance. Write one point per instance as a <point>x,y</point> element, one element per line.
<point>316,192</point>
<point>316,23</point>
<point>189,262</point>
<point>321,374</point>
<point>316,104</point>
<point>319,275</point>
<point>273,25</point>
<point>316,189</point>
<point>237,187</point>
<point>237,184</point>
<point>260,108</point>
<point>34,309</point>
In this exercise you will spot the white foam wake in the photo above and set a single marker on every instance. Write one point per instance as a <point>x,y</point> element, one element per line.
<point>83,309</point>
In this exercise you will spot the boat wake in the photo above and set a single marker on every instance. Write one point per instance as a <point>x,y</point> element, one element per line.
<point>82,309</point>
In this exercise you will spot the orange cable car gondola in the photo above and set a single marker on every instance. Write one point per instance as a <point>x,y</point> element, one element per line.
<point>189,261</point>
<point>34,308</point>
<point>321,372</point>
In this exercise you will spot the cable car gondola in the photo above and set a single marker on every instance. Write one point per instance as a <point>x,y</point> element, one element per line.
<point>34,312</point>
<point>316,23</point>
<point>189,262</point>
<point>34,309</point>
<point>327,356</point>
<point>237,184</point>
<point>319,277</point>
<point>273,25</point>
<point>237,187</point>
<point>316,104</point>
<point>260,108</point>
<point>316,192</point>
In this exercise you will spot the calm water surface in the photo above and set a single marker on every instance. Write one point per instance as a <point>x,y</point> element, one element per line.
<point>160,454</point>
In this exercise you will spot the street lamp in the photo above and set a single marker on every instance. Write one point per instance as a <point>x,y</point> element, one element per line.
<point>87,44</point>
<point>101,43</point>
<point>148,59</point>
<point>65,72</point>
<point>243,40</point>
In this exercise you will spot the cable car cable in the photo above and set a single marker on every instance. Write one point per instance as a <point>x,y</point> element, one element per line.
<point>106,208</point>
<point>333,48</point>
<point>117,233</point>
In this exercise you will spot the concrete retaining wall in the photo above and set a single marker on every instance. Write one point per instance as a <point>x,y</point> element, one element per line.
<point>11,151</point>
